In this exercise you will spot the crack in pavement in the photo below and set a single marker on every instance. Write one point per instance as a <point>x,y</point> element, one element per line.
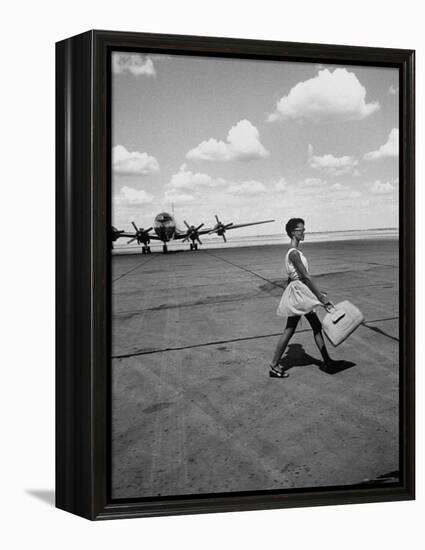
<point>243,268</point>
<point>380,331</point>
<point>318,275</point>
<point>242,339</point>
<point>132,269</point>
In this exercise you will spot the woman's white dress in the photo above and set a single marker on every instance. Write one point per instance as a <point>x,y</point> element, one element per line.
<point>297,298</point>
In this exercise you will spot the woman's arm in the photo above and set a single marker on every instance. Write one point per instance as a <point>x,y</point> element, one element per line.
<point>305,277</point>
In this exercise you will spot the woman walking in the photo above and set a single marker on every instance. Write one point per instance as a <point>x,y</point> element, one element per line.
<point>300,297</point>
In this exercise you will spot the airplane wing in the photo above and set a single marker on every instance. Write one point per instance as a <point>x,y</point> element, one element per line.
<point>133,236</point>
<point>205,231</point>
<point>151,237</point>
<point>178,236</point>
<point>117,233</point>
<point>183,234</point>
<point>193,232</point>
<point>124,234</point>
<point>221,228</point>
<point>246,224</point>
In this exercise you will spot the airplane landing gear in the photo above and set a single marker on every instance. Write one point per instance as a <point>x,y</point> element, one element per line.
<point>194,246</point>
<point>146,250</point>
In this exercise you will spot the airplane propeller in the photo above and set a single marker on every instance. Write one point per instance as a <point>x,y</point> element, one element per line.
<point>220,228</point>
<point>192,232</point>
<point>142,235</point>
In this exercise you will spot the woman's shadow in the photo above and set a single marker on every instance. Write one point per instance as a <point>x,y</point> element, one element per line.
<point>297,357</point>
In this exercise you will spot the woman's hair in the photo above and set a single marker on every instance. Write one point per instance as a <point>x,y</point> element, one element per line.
<point>292,224</point>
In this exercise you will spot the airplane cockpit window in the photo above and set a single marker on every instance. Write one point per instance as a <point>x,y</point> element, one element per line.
<point>163,217</point>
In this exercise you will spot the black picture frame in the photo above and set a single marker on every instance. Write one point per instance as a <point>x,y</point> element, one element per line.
<point>82,273</point>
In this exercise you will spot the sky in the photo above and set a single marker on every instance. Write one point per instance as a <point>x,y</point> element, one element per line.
<point>253,140</point>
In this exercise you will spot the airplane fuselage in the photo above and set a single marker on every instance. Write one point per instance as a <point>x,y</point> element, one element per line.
<point>165,226</point>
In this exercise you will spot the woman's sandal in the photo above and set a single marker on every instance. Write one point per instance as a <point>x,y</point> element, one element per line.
<point>275,373</point>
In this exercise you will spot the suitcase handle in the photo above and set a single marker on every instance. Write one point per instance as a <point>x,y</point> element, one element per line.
<point>337,316</point>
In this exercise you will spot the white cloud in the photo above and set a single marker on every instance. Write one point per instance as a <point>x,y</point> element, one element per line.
<point>176,197</point>
<point>339,187</point>
<point>329,96</point>
<point>132,197</point>
<point>184,182</point>
<point>344,192</point>
<point>246,188</point>
<point>134,63</point>
<point>379,188</point>
<point>124,162</point>
<point>281,185</point>
<point>185,179</point>
<point>393,90</point>
<point>330,164</point>
<point>389,149</point>
<point>313,182</point>
<point>243,143</point>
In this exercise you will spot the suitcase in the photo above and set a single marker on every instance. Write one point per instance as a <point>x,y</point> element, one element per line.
<point>341,321</point>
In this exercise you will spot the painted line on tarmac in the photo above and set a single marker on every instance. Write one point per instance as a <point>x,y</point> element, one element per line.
<point>133,269</point>
<point>221,300</point>
<point>383,285</point>
<point>245,269</point>
<point>242,339</point>
<point>213,343</point>
<point>201,302</point>
<point>380,331</point>
<point>316,276</point>
<point>381,265</point>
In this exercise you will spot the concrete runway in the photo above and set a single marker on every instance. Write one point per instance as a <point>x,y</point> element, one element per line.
<point>194,410</point>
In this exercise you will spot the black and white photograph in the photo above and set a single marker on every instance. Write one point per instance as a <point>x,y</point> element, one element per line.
<point>254,261</point>
<point>212,233</point>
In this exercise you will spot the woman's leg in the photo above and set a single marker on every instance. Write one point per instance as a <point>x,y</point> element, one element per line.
<point>291,325</point>
<point>316,325</point>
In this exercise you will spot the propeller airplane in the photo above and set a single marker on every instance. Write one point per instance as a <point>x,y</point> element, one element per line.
<point>166,230</point>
